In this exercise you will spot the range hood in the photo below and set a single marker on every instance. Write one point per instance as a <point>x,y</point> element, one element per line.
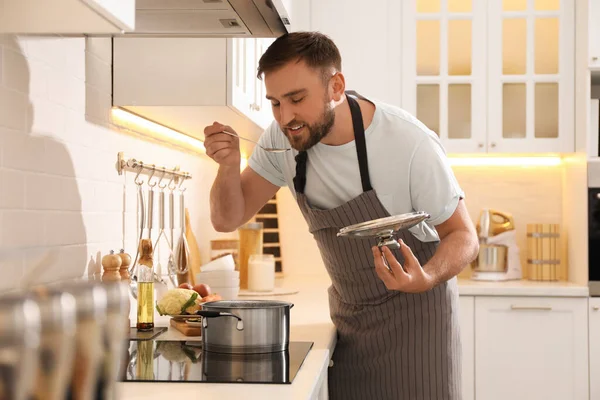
<point>211,18</point>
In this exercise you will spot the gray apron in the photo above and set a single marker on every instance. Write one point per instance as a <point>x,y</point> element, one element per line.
<point>390,344</point>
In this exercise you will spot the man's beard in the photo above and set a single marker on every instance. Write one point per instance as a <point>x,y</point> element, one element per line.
<point>316,131</point>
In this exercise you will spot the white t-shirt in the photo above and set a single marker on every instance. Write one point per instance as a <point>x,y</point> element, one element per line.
<point>407,167</point>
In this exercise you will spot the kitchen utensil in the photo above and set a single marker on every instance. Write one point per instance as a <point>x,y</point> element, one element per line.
<point>91,315</point>
<point>271,150</point>
<point>163,234</point>
<point>171,264</point>
<point>20,332</point>
<point>384,228</point>
<point>251,326</point>
<point>58,323</point>
<point>183,251</point>
<point>195,259</point>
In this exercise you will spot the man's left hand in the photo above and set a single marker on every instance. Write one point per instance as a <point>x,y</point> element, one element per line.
<point>410,278</point>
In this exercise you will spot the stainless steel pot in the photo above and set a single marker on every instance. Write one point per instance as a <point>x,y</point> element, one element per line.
<point>245,327</point>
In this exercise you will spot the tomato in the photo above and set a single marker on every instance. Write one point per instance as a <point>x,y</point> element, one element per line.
<point>186,285</point>
<point>202,289</point>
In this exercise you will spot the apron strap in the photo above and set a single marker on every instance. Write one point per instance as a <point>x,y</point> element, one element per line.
<point>361,144</point>
<point>300,178</point>
<point>361,152</point>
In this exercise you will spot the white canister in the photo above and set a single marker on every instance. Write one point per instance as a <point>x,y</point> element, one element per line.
<point>261,272</point>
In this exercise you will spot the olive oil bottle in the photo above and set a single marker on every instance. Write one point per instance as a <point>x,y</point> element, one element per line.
<point>145,279</point>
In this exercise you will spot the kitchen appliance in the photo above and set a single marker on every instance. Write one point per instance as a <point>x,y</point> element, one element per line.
<point>594,228</point>
<point>498,258</point>
<point>185,361</point>
<point>214,18</point>
<point>245,326</point>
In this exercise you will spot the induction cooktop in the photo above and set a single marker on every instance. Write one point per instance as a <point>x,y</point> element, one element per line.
<point>185,361</point>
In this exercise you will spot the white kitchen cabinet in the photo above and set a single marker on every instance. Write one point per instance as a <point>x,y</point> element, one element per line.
<point>248,92</point>
<point>491,76</point>
<point>467,332</point>
<point>67,16</point>
<point>188,83</point>
<point>531,348</point>
<point>594,324</point>
<point>594,34</point>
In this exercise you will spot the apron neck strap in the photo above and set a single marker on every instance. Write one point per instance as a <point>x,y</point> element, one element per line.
<point>361,144</point>
<point>361,152</point>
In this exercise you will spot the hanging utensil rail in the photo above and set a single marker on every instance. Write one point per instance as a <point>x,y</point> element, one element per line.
<point>135,165</point>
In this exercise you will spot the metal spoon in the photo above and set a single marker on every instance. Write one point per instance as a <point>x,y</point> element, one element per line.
<point>271,150</point>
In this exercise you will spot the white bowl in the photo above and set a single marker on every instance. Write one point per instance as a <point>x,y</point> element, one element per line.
<point>225,263</point>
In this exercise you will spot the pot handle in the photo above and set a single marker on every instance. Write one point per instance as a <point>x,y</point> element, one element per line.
<point>215,314</point>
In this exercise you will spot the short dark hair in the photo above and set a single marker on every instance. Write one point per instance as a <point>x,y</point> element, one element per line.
<point>314,48</point>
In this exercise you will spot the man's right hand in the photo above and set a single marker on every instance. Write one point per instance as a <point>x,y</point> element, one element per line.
<point>222,148</point>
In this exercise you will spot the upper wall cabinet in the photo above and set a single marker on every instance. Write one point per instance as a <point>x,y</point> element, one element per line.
<point>67,16</point>
<point>188,83</point>
<point>491,76</point>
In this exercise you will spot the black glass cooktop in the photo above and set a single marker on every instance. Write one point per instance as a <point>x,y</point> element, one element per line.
<point>184,361</point>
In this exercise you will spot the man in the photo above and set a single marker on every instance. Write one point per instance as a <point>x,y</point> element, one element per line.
<point>355,160</point>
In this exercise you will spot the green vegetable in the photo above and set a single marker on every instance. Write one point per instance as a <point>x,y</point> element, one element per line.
<point>158,309</point>
<point>189,303</point>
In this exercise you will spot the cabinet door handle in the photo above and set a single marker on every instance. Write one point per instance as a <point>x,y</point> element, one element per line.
<point>594,58</point>
<point>596,308</point>
<point>542,308</point>
<point>493,144</point>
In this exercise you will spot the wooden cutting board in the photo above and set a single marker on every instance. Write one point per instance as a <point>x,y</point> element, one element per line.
<point>186,329</point>
<point>194,261</point>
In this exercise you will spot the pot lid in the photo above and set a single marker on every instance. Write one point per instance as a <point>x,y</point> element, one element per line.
<point>384,226</point>
<point>249,304</point>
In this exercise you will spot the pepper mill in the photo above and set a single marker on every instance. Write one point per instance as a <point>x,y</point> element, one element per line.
<point>111,263</point>
<point>125,262</point>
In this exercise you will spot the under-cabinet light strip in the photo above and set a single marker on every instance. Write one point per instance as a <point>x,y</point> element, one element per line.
<point>155,129</point>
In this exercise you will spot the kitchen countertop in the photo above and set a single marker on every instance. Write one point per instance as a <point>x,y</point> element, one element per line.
<point>309,321</point>
<point>468,287</point>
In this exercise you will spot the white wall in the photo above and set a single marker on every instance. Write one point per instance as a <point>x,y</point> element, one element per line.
<point>62,203</point>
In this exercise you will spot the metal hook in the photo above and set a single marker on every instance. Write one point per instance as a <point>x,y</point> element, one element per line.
<point>172,181</point>
<point>151,175</point>
<point>185,174</point>
<point>161,179</point>
<point>140,183</point>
